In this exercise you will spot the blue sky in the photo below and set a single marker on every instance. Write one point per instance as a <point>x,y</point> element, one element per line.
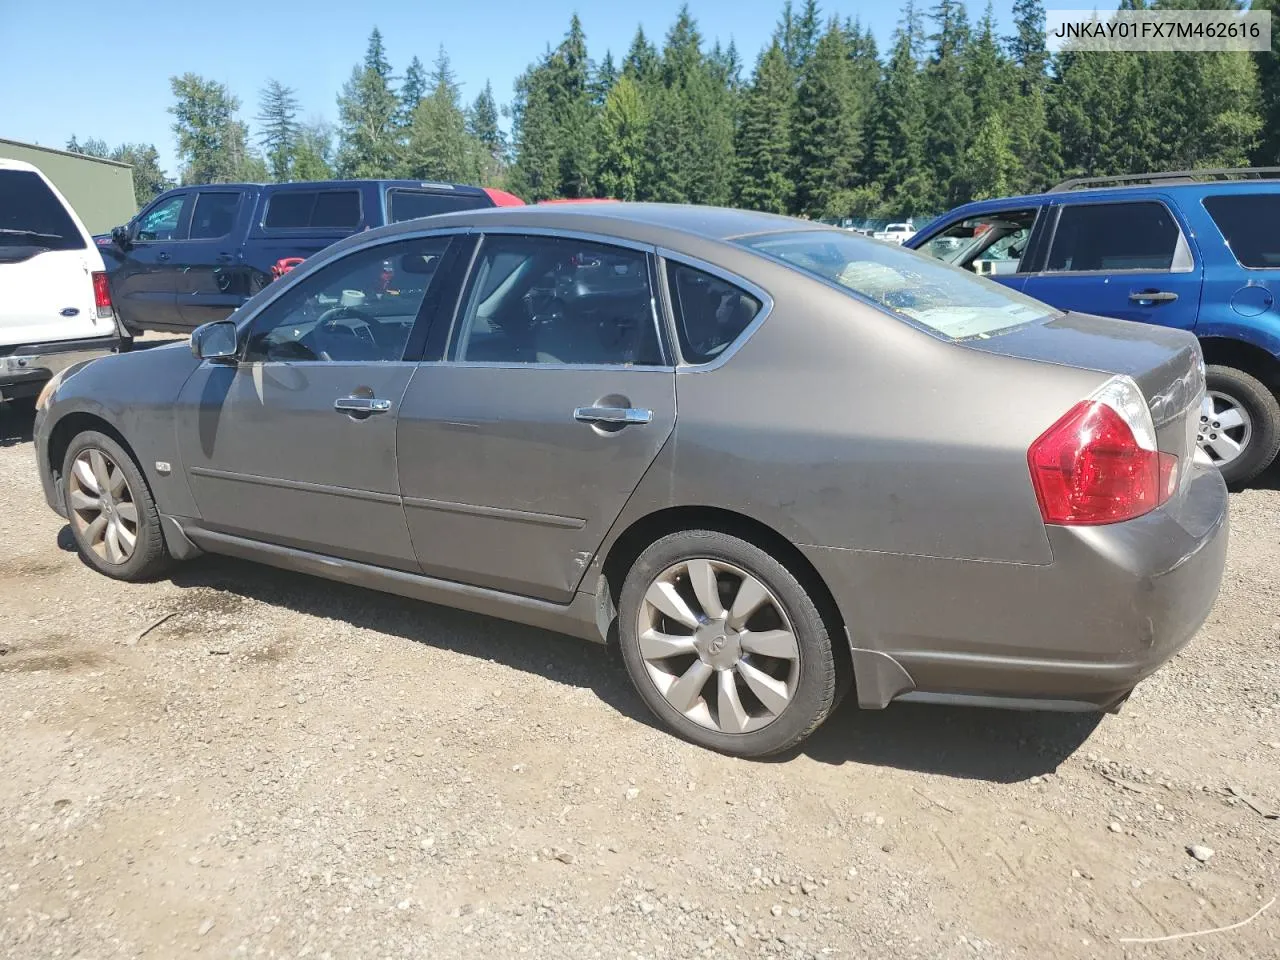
<point>98,69</point>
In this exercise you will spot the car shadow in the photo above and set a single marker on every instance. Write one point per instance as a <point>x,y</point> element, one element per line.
<point>962,742</point>
<point>17,422</point>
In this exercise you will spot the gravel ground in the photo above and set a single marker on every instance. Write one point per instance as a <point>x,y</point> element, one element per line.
<point>244,762</point>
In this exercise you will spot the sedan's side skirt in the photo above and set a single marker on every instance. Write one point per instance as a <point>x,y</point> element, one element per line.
<point>577,618</point>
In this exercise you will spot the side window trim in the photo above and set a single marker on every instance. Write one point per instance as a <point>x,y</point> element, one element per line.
<point>666,256</point>
<point>1184,255</point>
<point>413,343</point>
<point>447,348</point>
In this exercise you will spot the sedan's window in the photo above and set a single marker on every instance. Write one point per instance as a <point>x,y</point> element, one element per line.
<point>1117,236</point>
<point>361,307</point>
<point>1247,222</point>
<point>558,301</point>
<point>710,313</point>
<point>950,301</point>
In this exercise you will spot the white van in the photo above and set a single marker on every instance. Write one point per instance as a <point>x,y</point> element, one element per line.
<point>55,307</point>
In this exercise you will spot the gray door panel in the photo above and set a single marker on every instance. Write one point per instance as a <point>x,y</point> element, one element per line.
<point>503,487</point>
<point>268,456</point>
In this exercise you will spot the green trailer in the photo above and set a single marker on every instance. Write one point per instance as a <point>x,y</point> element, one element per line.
<point>100,191</point>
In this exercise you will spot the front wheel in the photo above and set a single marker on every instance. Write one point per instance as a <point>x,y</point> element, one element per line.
<point>112,514</point>
<point>724,644</point>
<point>1239,426</point>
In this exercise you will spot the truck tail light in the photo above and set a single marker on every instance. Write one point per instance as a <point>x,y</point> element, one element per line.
<point>102,295</point>
<point>1099,463</point>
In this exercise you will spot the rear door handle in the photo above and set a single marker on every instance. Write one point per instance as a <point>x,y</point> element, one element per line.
<point>1153,296</point>
<point>162,256</point>
<point>224,258</point>
<point>621,415</point>
<point>361,405</point>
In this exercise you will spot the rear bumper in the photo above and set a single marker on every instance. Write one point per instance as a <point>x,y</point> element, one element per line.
<point>24,372</point>
<point>1116,602</point>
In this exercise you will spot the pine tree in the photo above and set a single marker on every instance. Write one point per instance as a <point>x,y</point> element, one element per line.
<point>412,89</point>
<point>602,82</point>
<point>313,153</point>
<point>989,167</point>
<point>278,117</point>
<point>682,53</point>
<point>641,63</point>
<point>1027,45</point>
<point>898,133</point>
<point>570,87</point>
<point>535,174</point>
<point>826,127</point>
<point>948,110</point>
<point>482,124</point>
<point>439,146</point>
<point>367,110</point>
<point>798,34</point>
<point>764,156</point>
<point>212,143</point>
<point>624,128</point>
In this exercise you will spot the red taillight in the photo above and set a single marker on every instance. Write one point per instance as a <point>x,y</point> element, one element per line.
<point>1088,468</point>
<point>101,295</point>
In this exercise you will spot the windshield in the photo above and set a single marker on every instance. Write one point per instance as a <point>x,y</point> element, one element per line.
<point>952,302</point>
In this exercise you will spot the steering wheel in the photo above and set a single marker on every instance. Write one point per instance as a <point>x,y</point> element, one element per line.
<point>351,321</point>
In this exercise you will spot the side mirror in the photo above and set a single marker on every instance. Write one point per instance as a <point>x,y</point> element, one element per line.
<point>120,235</point>
<point>215,341</point>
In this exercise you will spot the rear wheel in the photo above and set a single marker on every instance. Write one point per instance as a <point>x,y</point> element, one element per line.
<point>724,644</point>
<point>1239,426</point>
<point>112,514</point>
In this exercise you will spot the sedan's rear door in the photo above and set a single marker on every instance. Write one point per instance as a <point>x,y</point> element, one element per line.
<point>521,439</point>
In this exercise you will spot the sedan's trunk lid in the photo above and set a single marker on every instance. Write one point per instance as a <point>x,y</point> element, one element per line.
<point>1166,364</point>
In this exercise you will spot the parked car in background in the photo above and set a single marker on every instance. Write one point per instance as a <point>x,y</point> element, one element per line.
<point>195,254</point>
<point>896,233</point>
<point>55,307</point>
<point>692,429</point>
<point>1193,250</point>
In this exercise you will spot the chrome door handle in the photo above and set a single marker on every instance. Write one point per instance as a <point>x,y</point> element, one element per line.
<point>1153,296</point>
<point>361,405</point>
<point>612,415</point>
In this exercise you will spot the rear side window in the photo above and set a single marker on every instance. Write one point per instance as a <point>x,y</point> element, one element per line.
<point>214,216</point>
<point>412,204</point>
<point>710,313</point>
<point>303,209</point>
<point>1248,224</point>
<point>1117,236</point>
<point>32,217</point>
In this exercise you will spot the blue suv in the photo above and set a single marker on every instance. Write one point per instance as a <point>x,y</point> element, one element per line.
<point>1199,250</point>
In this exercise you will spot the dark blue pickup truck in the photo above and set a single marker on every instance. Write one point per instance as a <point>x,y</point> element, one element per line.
<point>195,254</point>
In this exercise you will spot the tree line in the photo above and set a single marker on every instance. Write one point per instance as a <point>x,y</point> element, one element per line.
<point>823,124</point>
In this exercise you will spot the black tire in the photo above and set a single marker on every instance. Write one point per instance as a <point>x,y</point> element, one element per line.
<point>818,685</point>
<point>1264,413</point>
<point>150,557</point>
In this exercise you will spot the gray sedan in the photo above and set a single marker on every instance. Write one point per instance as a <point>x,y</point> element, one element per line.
<point>776,461</point>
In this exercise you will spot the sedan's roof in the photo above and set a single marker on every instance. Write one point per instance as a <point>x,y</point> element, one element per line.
<point>640,222</point>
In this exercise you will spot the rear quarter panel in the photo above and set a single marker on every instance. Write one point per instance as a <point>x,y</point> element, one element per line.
<point>840,426</point>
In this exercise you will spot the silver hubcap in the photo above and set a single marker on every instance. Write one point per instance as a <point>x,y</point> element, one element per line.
<point>718,645</point>
<point>1225,428</point>
<point>102,506</point>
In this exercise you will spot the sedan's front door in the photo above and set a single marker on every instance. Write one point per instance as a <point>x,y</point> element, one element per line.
<point>519,450</point>
<point>295,443</point>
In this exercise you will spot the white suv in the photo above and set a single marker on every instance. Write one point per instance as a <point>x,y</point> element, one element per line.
<point>55,307</point>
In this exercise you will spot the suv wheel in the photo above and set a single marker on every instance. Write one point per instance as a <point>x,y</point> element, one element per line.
<point>112,514</point>
<point>724,645</point>
<point>1239,423</point>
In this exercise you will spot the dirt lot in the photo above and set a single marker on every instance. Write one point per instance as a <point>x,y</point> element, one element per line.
<point>283,767</point>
